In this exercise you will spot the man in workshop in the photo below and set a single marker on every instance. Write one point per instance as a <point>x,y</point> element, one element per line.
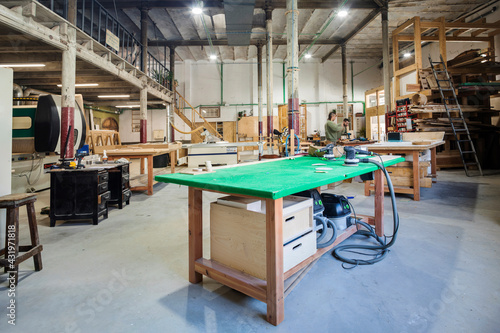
<point>345,123</point>
<point>332,129</point>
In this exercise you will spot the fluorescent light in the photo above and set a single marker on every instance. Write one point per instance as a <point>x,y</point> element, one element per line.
<point>407,55</point>
<point>308,56</point>
<point>213,56</point>
<point>483,55</point>
<point>22,65</point>
<point>343,13</point>
<point>83,85</point>
<point>127,106</point>
<point>113,96</point>
<point>197,10</point>
<point>484,61</point>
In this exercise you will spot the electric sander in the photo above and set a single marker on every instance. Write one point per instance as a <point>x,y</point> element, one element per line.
<point>350,155</point>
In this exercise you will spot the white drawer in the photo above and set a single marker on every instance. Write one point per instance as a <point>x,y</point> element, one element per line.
<point>299,250</point>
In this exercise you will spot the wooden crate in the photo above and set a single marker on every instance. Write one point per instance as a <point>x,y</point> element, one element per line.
<point>238,236</point>
<point>402,174</point>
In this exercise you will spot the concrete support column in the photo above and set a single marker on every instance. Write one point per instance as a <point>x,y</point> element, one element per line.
<point>169,122</point>
<point>386,60</point>
<point>72,11</point>
<point>172,85</point>
<point>68,93</point>
<point>144,39</point>
<point>269,70</point>
<point>259,84</point>
<point>292,42</point>
<point>344,82</point>
<point>144,112</point>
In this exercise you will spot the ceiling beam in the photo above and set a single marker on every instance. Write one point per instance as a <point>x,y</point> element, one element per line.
<point>367,20</point>
<point>223,42</point>
<point>304,4</point>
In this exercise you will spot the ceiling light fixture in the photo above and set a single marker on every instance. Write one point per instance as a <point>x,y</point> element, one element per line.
<point>127,106</point>
<point>213,56</point>
<point>483,61</point>
<point>197,10</point>
<point>83,85</point>
<point>483,55</point>
<point>308,56</point>
<point>113,96</point>
<point>407,55</point>
<point>343,13</point>
<point>22,65</point>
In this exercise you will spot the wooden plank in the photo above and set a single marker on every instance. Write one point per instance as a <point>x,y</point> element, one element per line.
<point>413,87</point>
<point>247,284</point>
<point>195,232</point>
<point>229,131</point>
<point>403,27</point>
<point>418,45</point>
<point>405,70</point>
<point>274,262</point>
<point>416,176</point>
<point>442,38</point>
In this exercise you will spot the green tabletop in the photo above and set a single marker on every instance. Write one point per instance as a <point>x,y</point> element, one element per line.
<point>274,179</point>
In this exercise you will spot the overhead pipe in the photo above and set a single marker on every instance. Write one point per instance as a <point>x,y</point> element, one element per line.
<point>33,91</point>
<point>18,92</point>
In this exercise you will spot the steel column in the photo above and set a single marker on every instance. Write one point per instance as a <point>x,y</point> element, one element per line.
<point>144,39</point>
<point>269,71</point>
<point>259,84</point>
<point>292,20</point>
<point>386,60</point>
<point>172,87</point>
<point>344,82</point>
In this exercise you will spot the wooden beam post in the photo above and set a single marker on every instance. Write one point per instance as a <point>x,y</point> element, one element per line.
<point>195,232</point>
<point>274,261</point>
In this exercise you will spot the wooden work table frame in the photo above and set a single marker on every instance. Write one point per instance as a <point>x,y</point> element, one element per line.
<point>270,291</point>
<point>149,158</point>
<point>413,150</point>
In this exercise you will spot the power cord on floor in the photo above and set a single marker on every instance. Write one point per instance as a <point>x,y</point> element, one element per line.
<point>378,251</point>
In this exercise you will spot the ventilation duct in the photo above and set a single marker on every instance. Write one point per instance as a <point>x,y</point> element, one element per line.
<point>239,19</point>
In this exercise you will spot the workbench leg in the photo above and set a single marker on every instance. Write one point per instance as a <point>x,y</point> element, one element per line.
<point>367,188</point>
<point>379,202</point>
<point>142,165</point>
<point>433,165</point>
<point>173,161</point>
<point>416,176</point>
<point>274,261</point>
<point>150,175</point>
<point>195,232</point>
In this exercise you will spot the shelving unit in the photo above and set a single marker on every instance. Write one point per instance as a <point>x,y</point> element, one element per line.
<point>398,121</point>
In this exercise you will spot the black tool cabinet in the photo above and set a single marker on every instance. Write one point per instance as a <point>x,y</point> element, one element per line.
<point>78,194</point>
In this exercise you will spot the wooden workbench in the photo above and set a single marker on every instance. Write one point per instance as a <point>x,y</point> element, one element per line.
<point>407,148</point>
<point>269,181</point>
<point>146,152</point>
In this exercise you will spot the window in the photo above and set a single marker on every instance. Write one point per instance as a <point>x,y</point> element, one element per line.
<point>210,112</point>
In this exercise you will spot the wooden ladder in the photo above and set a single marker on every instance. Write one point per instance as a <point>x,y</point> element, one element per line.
<point>182,105</point>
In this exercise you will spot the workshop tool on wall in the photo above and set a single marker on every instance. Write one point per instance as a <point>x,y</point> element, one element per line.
<point>323,224</point>
<point>458,124</point>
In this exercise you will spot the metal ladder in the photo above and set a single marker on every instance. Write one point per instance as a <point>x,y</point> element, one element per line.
<point>451,104</point>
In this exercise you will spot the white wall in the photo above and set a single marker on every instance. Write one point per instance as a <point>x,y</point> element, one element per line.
<point>319,83</point>
<point>6,78</point>
<point>156,121</point>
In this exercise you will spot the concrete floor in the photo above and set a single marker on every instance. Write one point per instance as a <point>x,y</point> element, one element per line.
<point>129,273</point>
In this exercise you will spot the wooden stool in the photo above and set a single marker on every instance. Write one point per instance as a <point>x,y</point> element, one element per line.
<point>12,202</point>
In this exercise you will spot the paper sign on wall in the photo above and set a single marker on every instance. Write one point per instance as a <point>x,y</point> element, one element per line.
<point>112,40</point>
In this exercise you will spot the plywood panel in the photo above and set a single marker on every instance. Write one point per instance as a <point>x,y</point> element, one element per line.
<point>229,131</point>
